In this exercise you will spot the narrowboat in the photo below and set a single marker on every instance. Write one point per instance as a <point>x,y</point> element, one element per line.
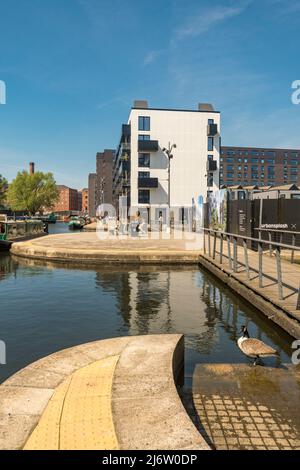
<point>76,223</point>
<point>18,230</point>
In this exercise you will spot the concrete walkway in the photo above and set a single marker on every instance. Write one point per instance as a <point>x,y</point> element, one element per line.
<point>86,247</point>
<point>112,394</point>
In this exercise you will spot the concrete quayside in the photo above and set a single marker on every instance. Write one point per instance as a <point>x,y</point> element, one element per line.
<point>112,394</point>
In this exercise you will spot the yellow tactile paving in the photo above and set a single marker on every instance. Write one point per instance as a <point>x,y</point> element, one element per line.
<point>79,415</point>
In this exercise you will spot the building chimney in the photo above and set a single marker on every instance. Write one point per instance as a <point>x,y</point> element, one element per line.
<point>140,104</point>
<point>31,168</point>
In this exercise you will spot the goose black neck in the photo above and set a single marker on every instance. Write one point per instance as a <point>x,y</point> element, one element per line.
<point>246,334</point>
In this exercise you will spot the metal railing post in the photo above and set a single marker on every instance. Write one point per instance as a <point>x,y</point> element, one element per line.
<point>298,300</point>
<point>214,246</point>
<point>246,259</point>
<point>279,273</point>
<point>234,254</point>
<point>209,252</point>
<point>293,244</point>
<point>204,244</point>
<point>221,249</point>
<point>260,263</point>
<point>229,252</point>
<point>270,246</point>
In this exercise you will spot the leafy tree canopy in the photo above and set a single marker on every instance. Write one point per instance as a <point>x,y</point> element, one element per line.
<point>32,193</point>
<point>3,189</point>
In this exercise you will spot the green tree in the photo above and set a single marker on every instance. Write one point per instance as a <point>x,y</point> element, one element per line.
<point>3,190</point>
<point>32,193</point>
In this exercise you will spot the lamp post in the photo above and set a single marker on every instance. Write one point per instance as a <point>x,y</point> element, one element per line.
<point>168,152</point>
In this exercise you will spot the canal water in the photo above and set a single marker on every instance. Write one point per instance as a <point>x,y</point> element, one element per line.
<point>47,307</point>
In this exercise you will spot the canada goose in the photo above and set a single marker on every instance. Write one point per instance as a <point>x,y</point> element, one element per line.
<point>254,348</point>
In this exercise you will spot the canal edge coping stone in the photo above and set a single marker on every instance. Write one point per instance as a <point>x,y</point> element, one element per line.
<point>147,410</point>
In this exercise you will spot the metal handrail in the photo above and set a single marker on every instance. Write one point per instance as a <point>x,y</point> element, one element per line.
<point>233,261</point>
<point>281,233</point>
<point>258,240</point>
<point>276,230</point>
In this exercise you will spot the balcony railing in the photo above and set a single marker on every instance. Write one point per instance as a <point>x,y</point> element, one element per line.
<point>212,130</point>
<point>147,183</point>
<point>148,145</point>
<point>211,165</point>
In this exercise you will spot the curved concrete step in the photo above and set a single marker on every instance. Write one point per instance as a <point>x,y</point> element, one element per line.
<point>112,394</point>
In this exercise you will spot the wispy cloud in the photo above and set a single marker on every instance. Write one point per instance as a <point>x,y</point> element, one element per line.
<point>151,56</point>
<point>208,18</point>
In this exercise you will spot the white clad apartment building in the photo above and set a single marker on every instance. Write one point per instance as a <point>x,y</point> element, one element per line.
<point>141,165</point>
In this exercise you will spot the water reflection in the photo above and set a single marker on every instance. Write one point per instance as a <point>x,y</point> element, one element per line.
<point>46,307</point>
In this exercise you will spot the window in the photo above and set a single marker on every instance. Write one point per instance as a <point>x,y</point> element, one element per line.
<point>210,157</point>
<point>144,123</point>
<point>210,121</point>
<point>230,167</point>
<point>144,137</point>
<point>254,160</point>
<point>210,144</point>
<point>270,154</point>
<point>144,196</point>
<point>229,160</point>
<point>144,159</point>
<point>294,162</point>
<point>229,175</point>
<point>270,160</point>
<point>144,174</point>
<point>295,196</point>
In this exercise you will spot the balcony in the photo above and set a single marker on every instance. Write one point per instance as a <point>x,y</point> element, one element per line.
<point>148,145</point>
<point>126,131</point>
<point>147,183</point>
<point>211,165</point>
<point>212,130</point>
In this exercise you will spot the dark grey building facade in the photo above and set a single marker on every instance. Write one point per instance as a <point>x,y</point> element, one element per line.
<point>104,177</point>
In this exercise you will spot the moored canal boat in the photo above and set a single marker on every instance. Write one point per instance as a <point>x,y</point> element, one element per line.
<point>18,230</point>
<point>76,223</point>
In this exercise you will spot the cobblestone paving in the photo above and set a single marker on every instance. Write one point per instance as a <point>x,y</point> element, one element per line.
<point>233,423</point>
<point>244,417</point>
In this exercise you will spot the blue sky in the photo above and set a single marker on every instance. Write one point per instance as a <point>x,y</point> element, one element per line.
<point>73,68</point>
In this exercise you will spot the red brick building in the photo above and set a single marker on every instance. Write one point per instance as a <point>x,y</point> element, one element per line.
<point>68,200</point>
<point>84,200</point>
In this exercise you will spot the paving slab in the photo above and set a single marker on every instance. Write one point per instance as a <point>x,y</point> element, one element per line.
<point>244,407</point>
